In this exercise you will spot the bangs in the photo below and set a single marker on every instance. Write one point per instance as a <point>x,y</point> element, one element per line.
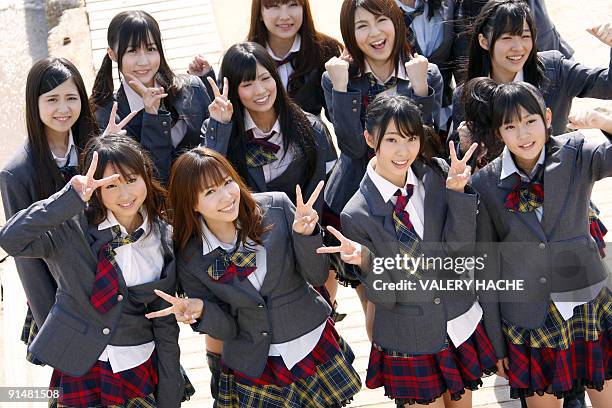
<point>53,77</point>
<point>122,160</point>
<point>138,32</point>
<point>510,19</point>
<point>406,125</point>
<point>248,68</point>
<point>374,7</point>
<point>272,3</point>
<point>510,98</point>
<point>211,172</point>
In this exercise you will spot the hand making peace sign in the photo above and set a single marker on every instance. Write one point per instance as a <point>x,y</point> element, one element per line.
<point>86,185</point>
<point>185,310</point>
<point>151,97</point>
<point>221,108</point>
<point>459,172</point>
<point>113,126</point>
<point>306,217</point>
<point>350,251</point>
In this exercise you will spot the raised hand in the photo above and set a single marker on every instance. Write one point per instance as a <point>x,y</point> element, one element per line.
<point>603,33</point>
<point>221,108</point>
<point>113,126</point>
<point>350,251</point>
<point>338,70</point>
<point>151,97</point>
<point>416,70</point>
<point>86,185</point>
<point>596,118</point>
<point>306,217</point>
<point>459,172</point>
<point>185,310</point>
<point>199,66</point>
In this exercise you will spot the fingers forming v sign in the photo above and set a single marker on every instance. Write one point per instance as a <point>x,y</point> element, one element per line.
<point>350,251</point>
<point>86,185</point>
<point>306,217</point>
<point>221,108</point>
<point>113,126</point>
<point>185,310</point>
<point>151,97</point>
<point>459,172</point>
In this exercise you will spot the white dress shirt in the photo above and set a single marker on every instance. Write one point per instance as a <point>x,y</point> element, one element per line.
<point>461,327</point>
<point>70,156</point>
<point>178,131</point>
<point>564,301</point>
<point>140,262</point>
<point>292,352</point>
<point>285,70</point>
<point>276,168</point>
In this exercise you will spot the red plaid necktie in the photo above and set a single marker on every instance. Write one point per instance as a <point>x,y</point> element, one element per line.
<point>525,196</point>
<point>240,263</point>
<point>410,243</point>
<point>106,285</point>
<point>260,151</point>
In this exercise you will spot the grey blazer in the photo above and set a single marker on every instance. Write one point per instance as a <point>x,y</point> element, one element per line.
<point>565,79</point>
<point>74,333</point>
<point>345,110</point>
<point>285,308</point>
<point>413,321</point>
<point>153,131</point>
<point>216,136</point>
<point>18,188</point>
<point>557,255</point>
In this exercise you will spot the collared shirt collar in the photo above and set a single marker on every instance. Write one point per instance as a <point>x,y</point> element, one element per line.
<point>249,124</point>
<point>387,189</point>
<point>211,242</point>
<point>519,77</point>
<point>406,7</point>
<point>71,145</point>
<point>401,73</point>
<point>297,44</point>
<point>111,221</point>
<point>509,167</point>
<point>134,100</point>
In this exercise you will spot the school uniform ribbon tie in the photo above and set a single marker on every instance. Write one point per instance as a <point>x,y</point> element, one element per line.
<point>373,91</point>
<point>409,17</point>
<point>525,196</point>
<point>260,151</point>
<point>240,263</point>
<point>286,60</point>
<point>410,243</point>
<point>106,284</point>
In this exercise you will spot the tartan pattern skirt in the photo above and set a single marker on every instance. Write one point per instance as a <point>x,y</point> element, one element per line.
<point>562,356</point>
<point>421,379</point>
<point>324,378</point>
<point>100,387</point>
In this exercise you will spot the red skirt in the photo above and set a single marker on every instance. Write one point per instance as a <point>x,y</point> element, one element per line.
<point>422,379</point>
<point>101,387</point>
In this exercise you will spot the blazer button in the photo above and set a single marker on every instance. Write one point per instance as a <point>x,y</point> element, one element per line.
<point>264,334</point>
<point>212,128</point>
<point>119,298</point>
<point>260,305</point>
<point>165,132</point>
<point>420,105</point>
<point>354,101</point>
<point>354,109</point>
<point>542,245</point>
<point>164,123</point>
<point>437,301</point>
<point>105,331</point>
<point>542,280</point>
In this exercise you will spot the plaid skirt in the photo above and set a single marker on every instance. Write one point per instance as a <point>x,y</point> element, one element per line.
<point>345,273</point>
<point>100,387</point>
<point>597,228</point>
<point>324,378</point>
<point>421,379</point>
<point>28,333</point>
<point>562,356</point>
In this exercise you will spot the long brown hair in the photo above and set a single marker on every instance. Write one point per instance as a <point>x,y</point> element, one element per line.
<point>401,48</point>
<point>44,76</point>
<point>126,157</point>
<point>316,49</point>
<point>193,172</point>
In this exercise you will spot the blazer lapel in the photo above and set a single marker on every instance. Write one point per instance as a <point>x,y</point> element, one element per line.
<point>275,247</point>
<point>379,208</point>
<point>433,211</point>
<point>257,177</point>
<point>558,178</point>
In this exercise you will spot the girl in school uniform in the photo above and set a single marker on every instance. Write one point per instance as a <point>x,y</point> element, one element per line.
<point>377,60</point>
<point>171,108</point>
<point>107,246</point>
<point>429,346</point>
<point>59,124</point>
<point>270,141</point>
<point>247,262</point>
<point>502,47</point>
<point>533,213</point>
<point>286,29</point>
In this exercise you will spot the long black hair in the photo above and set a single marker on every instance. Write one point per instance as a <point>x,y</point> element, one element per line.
<point>498,17</point>
<point>134,29</point>
<point>44,76</point>
<point>240,64</point>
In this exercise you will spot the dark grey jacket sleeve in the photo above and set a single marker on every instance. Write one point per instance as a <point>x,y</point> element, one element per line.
<point>216,135</point>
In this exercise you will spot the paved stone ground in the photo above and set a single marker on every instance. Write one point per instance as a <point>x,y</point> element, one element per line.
<point>15,371</point>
